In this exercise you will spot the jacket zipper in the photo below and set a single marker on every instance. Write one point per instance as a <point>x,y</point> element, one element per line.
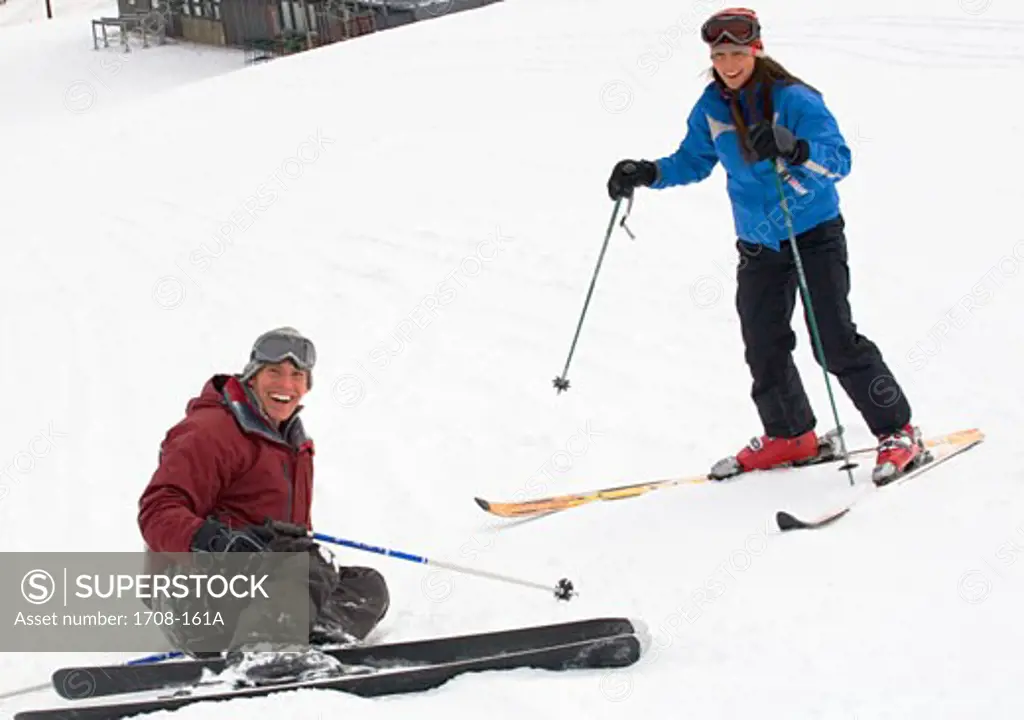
<point>290,482</point>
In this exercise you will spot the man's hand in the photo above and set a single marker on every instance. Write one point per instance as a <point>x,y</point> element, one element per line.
<point>216,537</point>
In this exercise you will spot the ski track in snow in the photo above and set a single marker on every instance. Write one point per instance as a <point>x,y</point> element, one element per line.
<point>431,205</point>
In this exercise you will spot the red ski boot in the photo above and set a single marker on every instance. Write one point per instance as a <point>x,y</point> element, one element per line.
<point>897,453</point>
<point>766,452</point>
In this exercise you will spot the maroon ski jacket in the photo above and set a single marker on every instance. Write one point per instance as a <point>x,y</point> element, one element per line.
<point>224,460</point>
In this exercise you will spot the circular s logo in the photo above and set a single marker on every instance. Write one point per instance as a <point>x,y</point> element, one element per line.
<point>38,587</point>
<point>78,684</point>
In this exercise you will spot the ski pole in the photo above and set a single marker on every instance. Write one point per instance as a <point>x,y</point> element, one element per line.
<point>563,590</point>
<point>26,690</point>
<point>158,657</point>
<point>562,382</point>
<point>780,173</point>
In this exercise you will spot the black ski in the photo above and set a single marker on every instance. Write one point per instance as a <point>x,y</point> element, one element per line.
<point>601,652</point>
<point>78,683</point>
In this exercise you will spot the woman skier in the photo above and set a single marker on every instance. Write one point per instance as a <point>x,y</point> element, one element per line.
<point>758,120</point>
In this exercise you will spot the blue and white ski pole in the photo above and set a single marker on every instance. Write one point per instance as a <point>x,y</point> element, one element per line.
<point>158,657</point>
<point>563,590</point>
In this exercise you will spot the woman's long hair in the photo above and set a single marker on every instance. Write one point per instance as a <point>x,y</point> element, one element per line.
<point>767,73</point>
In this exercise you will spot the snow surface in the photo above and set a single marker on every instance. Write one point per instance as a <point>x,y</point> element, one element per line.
<point>428,204</point>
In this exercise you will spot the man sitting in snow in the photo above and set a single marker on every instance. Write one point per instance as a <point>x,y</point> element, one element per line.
<point>236,474</point>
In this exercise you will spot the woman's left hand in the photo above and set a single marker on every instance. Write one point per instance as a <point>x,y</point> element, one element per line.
<point>773,141</point>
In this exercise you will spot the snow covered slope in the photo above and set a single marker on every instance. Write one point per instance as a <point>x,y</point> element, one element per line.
<point>428,204</point>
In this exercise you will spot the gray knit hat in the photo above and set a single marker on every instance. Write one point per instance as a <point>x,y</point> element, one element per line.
<point>283,343</point>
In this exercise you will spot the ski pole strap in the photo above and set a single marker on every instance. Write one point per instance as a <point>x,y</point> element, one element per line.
<point>625,216</point>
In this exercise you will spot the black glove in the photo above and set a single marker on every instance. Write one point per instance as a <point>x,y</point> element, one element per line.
<point>279,528</point>
<point>215,537</point>
<point>774,141</point>
<point>629,174</point>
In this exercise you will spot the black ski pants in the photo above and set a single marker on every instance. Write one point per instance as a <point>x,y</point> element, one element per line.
<point>767,289</point>
<point>310,599</point>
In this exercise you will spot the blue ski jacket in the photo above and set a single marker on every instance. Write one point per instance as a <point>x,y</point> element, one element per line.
<point>810,190</point>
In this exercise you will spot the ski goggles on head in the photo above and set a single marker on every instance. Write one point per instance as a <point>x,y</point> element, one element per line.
<point>274,348</point>
<point>736,29</point>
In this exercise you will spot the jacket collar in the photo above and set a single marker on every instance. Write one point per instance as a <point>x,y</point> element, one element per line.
<point>749,98</point>
<point>240,400</point>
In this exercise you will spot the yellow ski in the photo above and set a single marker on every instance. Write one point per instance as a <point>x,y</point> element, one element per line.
<point>939,451</point>
<point>556,503</point>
